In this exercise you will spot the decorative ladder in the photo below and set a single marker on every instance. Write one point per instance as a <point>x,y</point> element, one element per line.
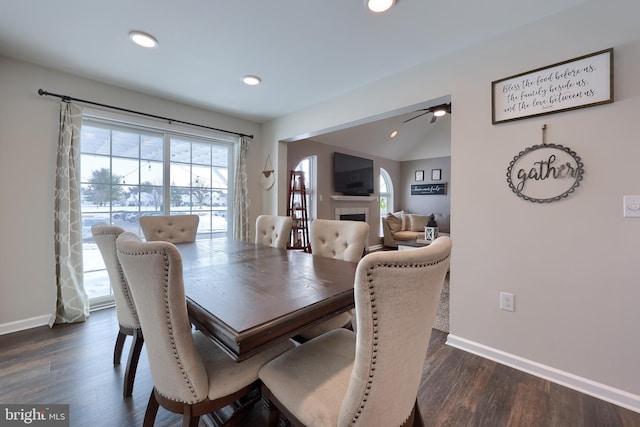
<point>297,210</point>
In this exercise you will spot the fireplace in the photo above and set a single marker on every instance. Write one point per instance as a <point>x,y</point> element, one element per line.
<point>352,214</point>
<point>353,217</point>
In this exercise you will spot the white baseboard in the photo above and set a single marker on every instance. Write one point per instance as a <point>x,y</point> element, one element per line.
<point>21,325</point>
<point>601,391</point>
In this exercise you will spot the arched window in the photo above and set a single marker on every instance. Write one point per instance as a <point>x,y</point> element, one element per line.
<point>386,195</point>
<point>308,165</point>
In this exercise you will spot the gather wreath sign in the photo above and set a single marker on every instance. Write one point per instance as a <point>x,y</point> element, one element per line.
<point>545,173</point>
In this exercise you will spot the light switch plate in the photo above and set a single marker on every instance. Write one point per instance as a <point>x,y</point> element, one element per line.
<point>631,206</point>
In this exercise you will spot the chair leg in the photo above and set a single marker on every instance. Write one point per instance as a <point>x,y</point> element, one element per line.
<point>132,364</point>
<point>417,416</point>
<point>152,410</point>
<point>273,414</point>
<point>188,419</point>
<point>273,417</point>
<point>242,407</point>
<point>117,351</point>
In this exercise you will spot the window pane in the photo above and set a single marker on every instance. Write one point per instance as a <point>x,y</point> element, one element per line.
<point>126,170</point>
<point>152,147</point>
<point>201,186</point>
<point>90,164</point>
<point>95,140</point>
<point>201,154</point>
<point>125,144</point>
<point>201,176</point>
<point>306,165</point>
<point>219,178</point>
<point>180,151</point>
<point>220,156</point>
<point>180,174</point>
<point>100,188</point>
<point>383,184</point>
<point>152,173</point>
<point>386,195</point>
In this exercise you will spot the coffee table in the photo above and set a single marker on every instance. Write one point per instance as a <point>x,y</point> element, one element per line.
<point>413,244</point>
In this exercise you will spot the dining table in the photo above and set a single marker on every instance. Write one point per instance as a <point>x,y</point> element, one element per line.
<point>248,297</point>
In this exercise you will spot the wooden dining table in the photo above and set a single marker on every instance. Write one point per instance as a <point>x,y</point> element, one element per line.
<point>248,297</point>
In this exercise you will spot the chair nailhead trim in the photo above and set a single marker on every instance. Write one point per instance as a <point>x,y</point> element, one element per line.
<point>123,279</point>
<point>374,314</point>
<point>127,295</point>
<point>165,288</point>
<point>170,325</point>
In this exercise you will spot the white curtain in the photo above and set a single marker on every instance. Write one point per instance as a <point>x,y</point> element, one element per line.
<point>72,302</point>
<point>241,193</point>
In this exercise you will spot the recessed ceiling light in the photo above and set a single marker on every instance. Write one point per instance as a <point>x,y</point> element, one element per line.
<point>251,80</point>
<point>393,134</point>
<point>379,6</point>
<point>143,39</point>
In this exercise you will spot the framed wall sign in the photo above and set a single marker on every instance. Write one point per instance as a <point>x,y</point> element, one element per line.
<point>419,175</point>
<point>428,189</point>
<point>577,83</point>
<point>436,174</point>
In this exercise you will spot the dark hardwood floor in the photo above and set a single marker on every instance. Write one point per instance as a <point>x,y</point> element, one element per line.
<point>73,364</point>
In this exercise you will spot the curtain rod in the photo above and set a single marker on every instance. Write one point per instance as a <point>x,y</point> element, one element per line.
<point>66,98</point>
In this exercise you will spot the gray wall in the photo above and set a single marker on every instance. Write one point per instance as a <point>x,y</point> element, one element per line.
<point>326,207</point>
<point>576,288</point>
<point>576,314</point>
<point>28,137</point>
<point>424,204</point>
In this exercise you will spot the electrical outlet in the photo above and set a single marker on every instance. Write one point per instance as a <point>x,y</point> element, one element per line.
<point>631,206</point>
<point>507,301</point>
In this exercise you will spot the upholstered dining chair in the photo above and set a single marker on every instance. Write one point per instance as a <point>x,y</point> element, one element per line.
<point>344,240</point>
<point>105,237</point>
<point>191,374</point>
<point>272,230</point>
<point>170,228</point>
<point>370,377</point>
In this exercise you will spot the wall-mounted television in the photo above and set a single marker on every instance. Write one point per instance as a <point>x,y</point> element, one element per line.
<point>352,175</point>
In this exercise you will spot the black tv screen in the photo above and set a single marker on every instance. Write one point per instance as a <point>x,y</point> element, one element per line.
<point>352,175</point>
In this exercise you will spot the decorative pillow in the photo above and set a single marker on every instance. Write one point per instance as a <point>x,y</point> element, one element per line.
<point>405,222</point>
<point>443,221</point>
<point>403,217</point>
<point>394,223</point>
<point>419,222</point>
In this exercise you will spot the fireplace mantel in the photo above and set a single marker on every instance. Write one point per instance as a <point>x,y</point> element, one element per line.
<point>340,198</point>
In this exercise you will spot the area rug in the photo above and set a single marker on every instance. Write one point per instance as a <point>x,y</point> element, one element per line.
<point>442,316</point>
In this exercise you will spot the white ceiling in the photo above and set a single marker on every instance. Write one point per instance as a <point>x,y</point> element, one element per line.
<point>305,51</point>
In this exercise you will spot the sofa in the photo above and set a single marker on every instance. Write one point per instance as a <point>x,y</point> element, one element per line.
<point>404,226</point>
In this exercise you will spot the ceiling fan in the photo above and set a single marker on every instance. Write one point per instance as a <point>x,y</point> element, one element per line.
<point>437,111</point>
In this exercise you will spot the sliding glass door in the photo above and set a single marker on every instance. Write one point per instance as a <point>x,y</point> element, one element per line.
<point>128,171</point>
